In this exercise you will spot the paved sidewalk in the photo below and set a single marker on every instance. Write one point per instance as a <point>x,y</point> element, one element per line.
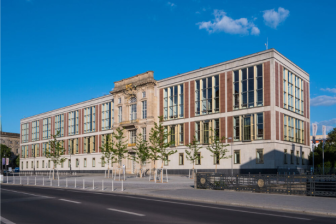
<point>181,188</point>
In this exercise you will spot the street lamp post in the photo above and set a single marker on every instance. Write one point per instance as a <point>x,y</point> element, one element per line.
<point>70,160</point>
<point>34,160</point>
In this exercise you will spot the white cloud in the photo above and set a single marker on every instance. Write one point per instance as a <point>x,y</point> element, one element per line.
<point>172,5</point>
<point>330,124</point>
<point>273,18</point>
<point>323,101</point>
<point>228,25</point>
<point>333,90</point>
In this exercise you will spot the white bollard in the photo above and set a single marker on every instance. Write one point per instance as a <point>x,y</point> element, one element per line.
<point>58,180</point>
<point>75,182</point>
<point>35,180</point>
<point>112,186</point>
<point>122,185</point>
<point>93,184</point>
<point>102,185</point>
<point>66,182</point>
<point>27,180</point>
<point>83,184</point>
<point>20,179</point>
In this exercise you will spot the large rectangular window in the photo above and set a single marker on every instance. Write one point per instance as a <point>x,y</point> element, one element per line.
<point>293,89</point>
<point>25,132</point>
<point>73,146</point>
<point>73,123</point>
<point>132,137</point>
<point>207,131</point>
<point>173,102</point>
<point>35,130</point>
<point>248,127</point>
<point>59,125</point>
<point>24,152</point>
<point>293,130</point>
<point>181,159</point>
<point>260,156</point>
<point>89,144</point>
<point>176,134</point>
<point>90,119</point>
<point>120,114</point>
<point>47,128</point>
<point>207,95</point>
<point>248,87</point>
<point>144,109</point>
<point>133,109</point>
<point>45,148</point>
<point>35,150</point>
<point>237,157</point>
<point>106,116</point>
<point>285,156</point>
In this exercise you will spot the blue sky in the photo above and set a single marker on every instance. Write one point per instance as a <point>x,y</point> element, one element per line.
<point>57,53</point>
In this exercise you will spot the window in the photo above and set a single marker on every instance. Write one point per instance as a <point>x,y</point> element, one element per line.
<point>106,119</point>
<point>62,164</point>
<point>237,157</point>
<point>144,109</point>
<point>35,150</point>
<point>32,164</point>
<point>144,134</point>
<point>85,162</point>
<point>293,130</point>
<point>133,109</point>
<point>248,127</point>
<point>37,164</point>
<point>181,159</point>
<point>207,95</point>
<point>292,156</point>
<point>73,122</point>
<point>143,94</point>
<point>24,151</point>
<point>173,102</point>
<point>89,119</point>
<point>47,128</point>
<point>89,144</point>
<point>297,157</point>
<point>93,162</point>
<point>49,164</point>
<point>59,125</point>
<point>248,87</point>
<point>69,163</point>
<point>303,159</point>
<point>198,160</point>
<point>102,162</point>
<point>119,114</point>
<point>216,130</point>
<point>260,156</point>
<point>25,132</point>
<point>197,97</point>
<point>35,130</point>
<point>166,161</point>
<point>132,137</point>
<point>206,130</point>
<point>21,165</point>
<point>181,134</point>
<point>27,165</point>
<point>198,131</point>
<point>285,156</point>
<point>172,135</point>
<point>107,137</point>
<point>293,89</point>
<point>73,146</point>
<point>42,163</point>
<point>45,148</point>
<point>77,163</point>
<point>216,158</point>
<point>119,100</point>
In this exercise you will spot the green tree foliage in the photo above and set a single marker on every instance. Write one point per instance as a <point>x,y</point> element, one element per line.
<point>193,155</point>
<point>17,161</point>
<point>120,145</point>
<point>55,152</point>
<point>329,153</point>
<point>107,149</point>
<point>218,148</point>
<point>160,146</point>
<point>142,153</point>
<point>5,152</point>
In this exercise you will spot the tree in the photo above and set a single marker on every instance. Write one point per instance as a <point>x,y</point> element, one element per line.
<point>108,154</point>
<point>142,153</point>
<point>5,152</point>
<point>217,147</point>
<point>193,155</point>
<point>120,145</point>
<point>158,138</point>
<point>17,161</point>
<point>55,152</point>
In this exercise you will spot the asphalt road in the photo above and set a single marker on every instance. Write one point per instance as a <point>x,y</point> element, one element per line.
<point>22,204</point>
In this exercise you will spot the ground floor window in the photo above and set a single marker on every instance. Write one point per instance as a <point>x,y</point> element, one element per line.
<point>198,160</point>
<point>285,156</point>
<point>49,164</point>
<point>260,156</point>
<point>292,156</point>
<point>27,165</point>
<point>37,164</point>
<point>42,163</point>
<point>77,163</point>
<point>216,158</point>
<point>297,157</point>
<point>62,164</point>
<point>69,163</point>
<point>102,162</point>
<point>237,156</point>
<point>21,165</point>
<point>166,161</point>
<point>32,164</point>
<point>94,162</point>
<point>181,159</point>
<point>302,158</point>
<point>84,162</point>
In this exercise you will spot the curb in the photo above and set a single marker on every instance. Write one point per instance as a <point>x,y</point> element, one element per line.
<point>189,199</point>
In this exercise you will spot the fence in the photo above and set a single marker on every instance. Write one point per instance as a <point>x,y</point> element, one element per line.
<point>313,185</point>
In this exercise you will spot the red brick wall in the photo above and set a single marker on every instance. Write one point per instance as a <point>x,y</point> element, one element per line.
<point>276,84</point>
<point>186,99</point>
<point>186,133</point>
<point>229,91</point>
<point>161,102</point>
<point>267,125</point>
<point>66,147</point>
<point>80,145</point>
<point>229,127</point>
<point>192,131</point>
<point>192,100</point>
<point>267,83</point>
<point>281,86</point>
<point>222,127</point>
<point>281,127</point>
<point>29,151</point>
<point>222,92</point>
<point>99,142</point>
<point>277,125</point>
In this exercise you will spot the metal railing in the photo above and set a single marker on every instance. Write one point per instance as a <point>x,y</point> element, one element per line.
<point>313,185</point>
